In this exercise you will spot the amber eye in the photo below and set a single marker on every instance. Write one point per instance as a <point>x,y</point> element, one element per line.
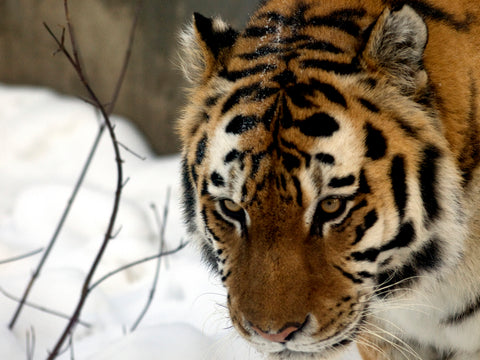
<point>331,205</point>
<point>232,210</point>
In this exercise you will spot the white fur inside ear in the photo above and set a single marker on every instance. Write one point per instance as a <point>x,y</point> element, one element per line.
<point>192,62</point>
<point>397,44</point>
<point>219,25</point>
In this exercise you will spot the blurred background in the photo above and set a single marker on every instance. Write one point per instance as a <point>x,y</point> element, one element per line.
<point>152,92</point>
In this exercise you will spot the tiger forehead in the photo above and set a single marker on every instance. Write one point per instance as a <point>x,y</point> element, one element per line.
<point>298,35</point>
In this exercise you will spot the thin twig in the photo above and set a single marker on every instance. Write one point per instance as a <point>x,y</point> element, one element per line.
<point>126,60</point>
<point>42,308</point>
<point>125,147</point>
<point>59,226</point>
<point>161,234</point>
<point>138,262</point>
<point>21,257</point>
<point>30,343</point>
<point>72,350</point>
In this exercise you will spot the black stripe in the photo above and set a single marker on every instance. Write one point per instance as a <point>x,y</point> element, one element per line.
<point>370,106</point>
<point>464,314</point>
<point>188,198</point>
<point>320,124</point>
<point>369,220</point>
<point>293,146</point>
<point>329,91</point>
<point>425,259</point>
<point>341,182</point>
<point>369,82</point>
<point>260,52</point>
<point>319,45</point>
<point>298,95</point>
<point>231,156</point>
<point>363,186</point>
<point>224,221</point>
<point>211,100</point>
<point>256,158</point>
<point>193,171</point>
<point>259,31</point>
<point>365,274</point>
<point>332,66</point>
<point>285,78</point>
<point>210,231</point>
<point>296,183</point>
<point>217,179</point>
<point>376,143</point>
<point>341,20</point>
<point>209,257</point>
<point>290,161</point>
<point>240,74</point>
<point>255,92</point>
<point>325,158</point>
<point>204,190</point>
<point>240,124</point>
<point>348,275</point>
<point>238,95</point>
<point>399,184</point>
<point>404,238</point>
<point>428,182</point>
<point>286,119</point>
<point>292,39</point>
<point>407,129</point>
<point>201,149</point>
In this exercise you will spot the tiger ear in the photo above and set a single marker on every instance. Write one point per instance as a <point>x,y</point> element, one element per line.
<point>206,44</point>
<point>395,48</point>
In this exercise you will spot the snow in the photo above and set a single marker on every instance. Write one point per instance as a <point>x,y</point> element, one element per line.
<point>44,141</point>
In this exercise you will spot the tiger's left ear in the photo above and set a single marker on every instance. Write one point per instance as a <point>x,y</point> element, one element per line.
<point>395,48</point>
<point>206,45</point>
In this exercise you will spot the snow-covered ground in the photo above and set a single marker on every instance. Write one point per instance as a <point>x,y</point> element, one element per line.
<point>44,140</point>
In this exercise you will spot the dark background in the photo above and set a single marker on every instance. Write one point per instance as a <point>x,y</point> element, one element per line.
<point>152,92</point>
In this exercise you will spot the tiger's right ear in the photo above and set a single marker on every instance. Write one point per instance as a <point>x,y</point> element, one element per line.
<point>206,45</point>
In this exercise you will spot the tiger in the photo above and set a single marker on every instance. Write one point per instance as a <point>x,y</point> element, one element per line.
<point>330,174</point>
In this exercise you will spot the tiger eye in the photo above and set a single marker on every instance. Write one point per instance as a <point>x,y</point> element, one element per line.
<point>331,205</point>
<point>232,206</point>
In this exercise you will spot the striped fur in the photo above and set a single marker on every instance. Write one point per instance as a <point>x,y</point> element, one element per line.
<point>330,156</point>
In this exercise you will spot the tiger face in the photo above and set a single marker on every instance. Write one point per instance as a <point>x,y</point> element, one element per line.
<point>311,162</point>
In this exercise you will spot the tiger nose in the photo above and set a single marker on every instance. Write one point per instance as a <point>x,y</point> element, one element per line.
<point>280,337</point>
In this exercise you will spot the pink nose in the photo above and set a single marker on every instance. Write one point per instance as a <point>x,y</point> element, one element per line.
<point>280,337</point>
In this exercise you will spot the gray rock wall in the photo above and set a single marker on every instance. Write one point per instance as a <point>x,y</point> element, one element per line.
<point>151,95</point>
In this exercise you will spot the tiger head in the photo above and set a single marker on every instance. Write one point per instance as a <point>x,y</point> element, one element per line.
<point>316,179</point>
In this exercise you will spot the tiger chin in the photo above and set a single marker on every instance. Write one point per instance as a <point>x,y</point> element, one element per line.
<point>330,174</point>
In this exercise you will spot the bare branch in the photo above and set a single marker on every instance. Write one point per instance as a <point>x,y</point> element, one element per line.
<point>72,350</point>
<point>59,226</point>
<point>42,308</point>
<point>161,232</point>
<point>21,257</point>
<point>138,262</point>
<point>126,60</point>
<point>143,158</point>
<point>30,339</point>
